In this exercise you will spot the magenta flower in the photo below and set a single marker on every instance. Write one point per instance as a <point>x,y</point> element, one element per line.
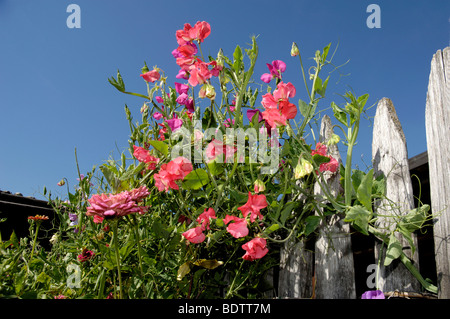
<point>86,255</point>
<point>276,68</point>
<point>181,88</point>
<point>373,294</point>
<point>175,123</point>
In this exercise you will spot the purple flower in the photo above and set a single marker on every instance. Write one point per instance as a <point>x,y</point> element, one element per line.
<point>251,113</point>
<point>175,123</point>
<point>373,294</point>
<point>276,68</point>
<point>181,88</point>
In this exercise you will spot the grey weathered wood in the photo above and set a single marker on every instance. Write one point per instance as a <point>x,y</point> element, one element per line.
<point>390,157</point>
<point>437,117</point>
<point>296,270</point>
<point>334,267</point>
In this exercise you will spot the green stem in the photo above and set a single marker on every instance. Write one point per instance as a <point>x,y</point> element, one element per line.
<point>230,291</point>
<point>116,248</point>
<point>35,238</point>
<point>348,164</point>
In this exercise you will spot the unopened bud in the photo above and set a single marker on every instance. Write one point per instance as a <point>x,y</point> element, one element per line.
<point>294,50</point>
<point>302,169</point>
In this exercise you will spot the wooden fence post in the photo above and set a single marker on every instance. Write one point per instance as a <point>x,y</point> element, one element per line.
<point>334,267</point>
<point>390,157</point>
<point>437,117</point>
<point>296,270</point>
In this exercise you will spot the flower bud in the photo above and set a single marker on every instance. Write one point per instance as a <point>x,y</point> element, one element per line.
<point>259,186</point>
<point>302,169</point>
<point>61,182</point>
<point>294,50</point>
<point>208,91</point>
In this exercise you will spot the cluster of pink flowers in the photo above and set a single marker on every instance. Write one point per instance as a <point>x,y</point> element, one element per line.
<point>332,165</point>
<point>172,172</point>
<point>216,150</point>
<point>192,68</point>
<point>236,226</point>
<point>278,109</point>
<point>195,235</point>
<point>143,155</point>
<point>117,205</point>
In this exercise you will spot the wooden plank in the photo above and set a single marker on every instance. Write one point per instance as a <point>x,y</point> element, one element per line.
<point>437,118</point>
<point>296,270</point>
<point>390,157</point>
<point>334,266</point>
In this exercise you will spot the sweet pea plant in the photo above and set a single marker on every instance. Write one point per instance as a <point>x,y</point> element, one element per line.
<point>214,182</point>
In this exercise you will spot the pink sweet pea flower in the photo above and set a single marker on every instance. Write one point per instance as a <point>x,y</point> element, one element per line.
<point>284,91</point>
<point>151,76</point>
<point>175,123</point>
<point>204,218</point>
<point>216,148</point>
<point>255,249</point>
<point>238,228</point>
<point>181,88</point>
<point>274,117</point>
<point>171,172</point>
<point>182,74</point>
<point>144,156</point>
<point>332,166</point>
<point>253,206</point>
<point>195,235</point>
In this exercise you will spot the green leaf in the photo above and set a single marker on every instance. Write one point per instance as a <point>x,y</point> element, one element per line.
<point>312,222</point>
<point>215,168</point>
<point>320,159</point>
<point>304,107</point>
<point>271,229</point>
<point>160,146</point>
<point>359,216</point>
<point>364,191</point>
<point>208,264</point>
<point>118,84</point>
<point>287,210</point>
<point>393,251</point>
<point>414,219</point>
<point>325,52</point>
<point>183,270</point>
<point>196,179</point>
<point>339,114</point>
<point>238,59</point>
<point>362,101</point>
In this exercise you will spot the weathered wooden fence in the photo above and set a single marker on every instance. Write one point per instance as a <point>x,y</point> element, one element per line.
<point>314,269</point>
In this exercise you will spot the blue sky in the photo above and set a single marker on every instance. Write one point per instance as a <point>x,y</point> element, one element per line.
<point>55,97</point>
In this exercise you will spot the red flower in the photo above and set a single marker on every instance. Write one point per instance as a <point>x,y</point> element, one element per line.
<point>332,165</point>
<point>86,255</point>
<point>195,235</point>
<point>238,228</point>
<point>253,206</point>
<point>38,217</point>
<point>144,156</point>
<point>151,76</point>
<point>204,218</point>
<point>171,172</point>
<point>255,249</point>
